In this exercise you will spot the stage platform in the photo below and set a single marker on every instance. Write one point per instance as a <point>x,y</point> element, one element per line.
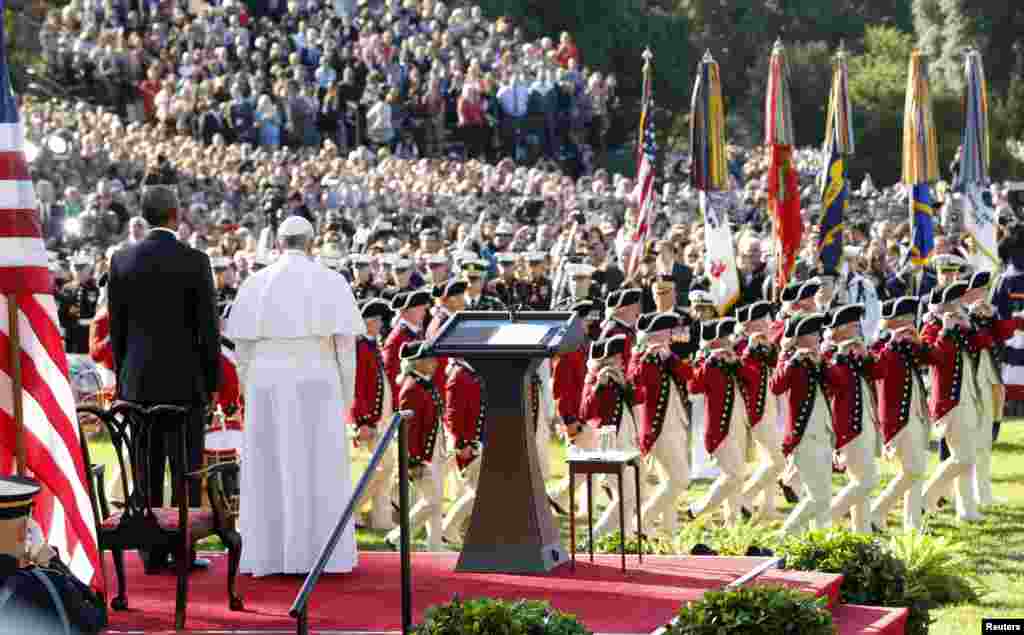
<point>606,600</point>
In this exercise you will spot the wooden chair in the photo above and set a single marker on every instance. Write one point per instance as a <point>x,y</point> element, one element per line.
<point>138,525</point>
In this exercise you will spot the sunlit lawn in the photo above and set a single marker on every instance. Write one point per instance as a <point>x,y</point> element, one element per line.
<point>997,544</point>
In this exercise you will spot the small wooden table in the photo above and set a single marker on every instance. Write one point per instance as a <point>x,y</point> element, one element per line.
<point>613,462</point>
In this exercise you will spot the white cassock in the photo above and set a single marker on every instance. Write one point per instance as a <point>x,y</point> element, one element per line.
<point>294,325</point>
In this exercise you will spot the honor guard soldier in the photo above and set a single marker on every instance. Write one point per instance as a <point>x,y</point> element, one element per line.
<point>77,304</point>
<point>800,376</point>
<point>622,312</point>
<point>438,270</point>
<point>371,410</point>
<point>465,415</point>
<point>659,379</point>
<point>992,334</point>
<point>702,309</point>
<point>716,375</point>
<point>607,404</point>
<point>401,278</point>
<point>953,399</point>
<point>569,373</point>
<point>580,287</point>
<point>474,270</point>
<point>223,284</point>
<point>899,356</point>
<point>506,286</point>
<point>409,309</point>
<point>758,357</point>
<point>851,397</point>
<point>426,442</point>
<point>536,288</point>
<point>684,342</point>
<point>363,287</point>
<point>450,298</point>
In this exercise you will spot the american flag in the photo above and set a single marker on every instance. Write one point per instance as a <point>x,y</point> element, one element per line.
<point>643,193</point>
<point>51,435</point>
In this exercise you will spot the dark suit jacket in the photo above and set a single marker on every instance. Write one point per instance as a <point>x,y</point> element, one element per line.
<point>163,323</point>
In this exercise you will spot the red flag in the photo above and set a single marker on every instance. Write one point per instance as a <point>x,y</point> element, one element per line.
<point>784,205</point>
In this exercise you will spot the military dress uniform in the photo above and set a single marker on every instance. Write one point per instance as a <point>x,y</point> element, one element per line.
<point>659,381</point>
<point>610,405</point>
<point>372,407</point>
<point>401,333</point>
<point>903,418</point>
<point>952,405</point>
<point>506,291</point>
<point>465,415</point>
<point>76,308</point>
<point>757,362</point>
<point>484,302</point>
<point>614,326</point>
<point>851,398</point>
<point>808,437</point>
<point>725,419</point>
<point>426,450</point>
<point>701,465</point>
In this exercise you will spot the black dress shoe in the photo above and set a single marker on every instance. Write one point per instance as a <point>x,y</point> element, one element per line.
<point>876,529</point>
<point>391,545</point>
<point>941,502</point>
<point>787,491</point>
<point>702,550</point>
<point>746,513</point>
<point>689,515</point>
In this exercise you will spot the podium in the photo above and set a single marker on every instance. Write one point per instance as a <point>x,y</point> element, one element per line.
<point>512,529</point>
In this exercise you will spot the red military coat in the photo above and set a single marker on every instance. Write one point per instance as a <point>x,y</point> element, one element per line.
<point>465,411</point>
<point>756,365</point>
<point>947,355</point>
<point>893,370</point>
<point>717,380</point>
<point>850,414</point>
<point>392,359</point>
<point>800,381</point>
<point>603,405</point>
<point>441,316</point>
<point>100,350</point>
<point>368,402</point>
<point>419,395</point>
<point>615,327</point>
<point>989,332</point>
<point>229,391</point>
<point>568,374</point>
<point>652,379</point>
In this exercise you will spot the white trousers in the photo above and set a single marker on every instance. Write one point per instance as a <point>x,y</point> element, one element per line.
<point>463,506</point>
<point>426,512</point>
<point>862,472</point>
<point>729,456</point>
<point>378,490</point>
<point>609,521</point>
<point>670,453</point>
<point>959,429</point>
<point>701,465</point>
<point>991,411</point>
<point>910,446</point>
<point>813,458</point>
<point>768,440</point>
<point>587,439</point>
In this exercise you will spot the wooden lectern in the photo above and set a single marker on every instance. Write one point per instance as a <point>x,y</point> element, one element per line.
<point>512,529</point>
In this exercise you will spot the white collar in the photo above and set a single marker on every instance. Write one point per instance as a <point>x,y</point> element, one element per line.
<point>164,229</point>
<point>409,324</point>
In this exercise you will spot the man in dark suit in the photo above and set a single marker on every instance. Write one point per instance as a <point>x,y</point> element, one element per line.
<point>164,332</point>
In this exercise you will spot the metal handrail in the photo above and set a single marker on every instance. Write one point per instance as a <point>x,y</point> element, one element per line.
<point>299,609</point>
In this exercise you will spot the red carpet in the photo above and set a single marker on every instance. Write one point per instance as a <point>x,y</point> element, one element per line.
<point>604,598</point>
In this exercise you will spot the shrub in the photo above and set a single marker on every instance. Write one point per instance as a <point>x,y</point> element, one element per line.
<point>937,567</point>
<point>872,573</point>
<point>757,609</point>
<point>727,541</point>
<point>656,544</point>
<point>497,617</point>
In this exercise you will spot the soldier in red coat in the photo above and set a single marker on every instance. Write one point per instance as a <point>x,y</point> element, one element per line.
<point>799,376</point>
<point>371,410</point>
<point>850,392</point>
<point>717,376</point>
<point>953,400</point>
<point>659,379</point>
<point>465,414</point>
<point>450,300</point>
<point>702,309</point>
<point>410,309</point>
<point>569,373</point>
<point>757,356</point>
<point>899,357</point>
<point>623,311</point>
<point>426,442</point>
<point>608,406</point>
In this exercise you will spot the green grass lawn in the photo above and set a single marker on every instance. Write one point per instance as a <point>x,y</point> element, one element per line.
<point>996,545</point>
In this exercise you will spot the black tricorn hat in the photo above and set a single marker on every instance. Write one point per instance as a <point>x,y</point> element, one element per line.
<point>655,322</point>
<point>791,292</point>
<point>614,345</point>
<point>410,299</point>
<point>805,325</point>
<point>979,280</point>
<point>716,329</point>
<point>624,297</point>
<point>756,311</point>
<point>900,307</point>
<point>844,315</point>
<point>375,308</point>
<point>450,288</point>
<point>949,293</point>
<point>586,310</point>
<point>416,349</point>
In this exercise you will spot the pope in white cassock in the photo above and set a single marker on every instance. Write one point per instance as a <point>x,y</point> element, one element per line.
<point>294,325</point>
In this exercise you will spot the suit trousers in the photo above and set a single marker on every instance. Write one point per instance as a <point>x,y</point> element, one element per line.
<point>378,490</point>
<point>461,509</point>
<point>862,471</point>
<point>609,521</point>
<point>959,430</point>
<point>813,458</point>
<point>163,445</point>
<point>670,453</point>
<point>769,447</point>
<point>426,512</point>
<point>587,439</point>
<point>910,446</point>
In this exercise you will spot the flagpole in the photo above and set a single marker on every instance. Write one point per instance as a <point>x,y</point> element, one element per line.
<point>14,351</point>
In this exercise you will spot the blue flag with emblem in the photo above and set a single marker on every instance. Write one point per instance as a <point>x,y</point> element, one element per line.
<point>923,224</point>
<point>835,191</point>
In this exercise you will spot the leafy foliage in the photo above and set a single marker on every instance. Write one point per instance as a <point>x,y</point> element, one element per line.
<point>727,541</point>
<point>764,609</point>
<point>612,543</point>
<point>498,617</point>
<point>872,573</point>
<point>937,567</point>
